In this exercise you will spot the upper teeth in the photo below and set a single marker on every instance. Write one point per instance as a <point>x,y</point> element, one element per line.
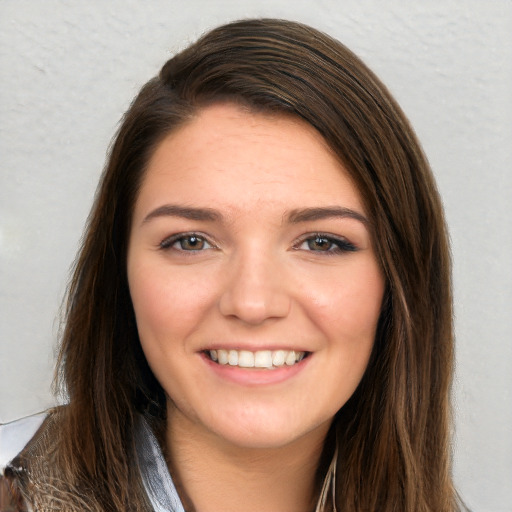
<point>258,359</point>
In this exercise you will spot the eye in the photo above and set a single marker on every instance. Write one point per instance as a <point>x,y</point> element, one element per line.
<point>186,242</point>
<point>326,243</point>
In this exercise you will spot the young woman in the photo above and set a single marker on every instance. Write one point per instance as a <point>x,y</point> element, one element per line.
<point>260,315</point>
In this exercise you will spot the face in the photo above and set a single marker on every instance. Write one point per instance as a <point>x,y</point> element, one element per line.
<point>253,277</point>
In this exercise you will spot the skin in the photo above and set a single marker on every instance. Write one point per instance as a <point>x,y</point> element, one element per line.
<point>282,259</point>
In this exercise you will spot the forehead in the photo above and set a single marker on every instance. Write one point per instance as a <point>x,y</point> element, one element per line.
<point>227,155</point>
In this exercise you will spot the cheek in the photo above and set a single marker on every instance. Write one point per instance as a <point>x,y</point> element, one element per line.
<point>348,315</point>
<point>349,305</point>
<point>167,305</point>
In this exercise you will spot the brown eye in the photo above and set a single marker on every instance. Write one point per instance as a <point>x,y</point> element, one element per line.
<point>327,244</point>
<point>191,243</point>
<point>319,243</point>
<point>188,243</point>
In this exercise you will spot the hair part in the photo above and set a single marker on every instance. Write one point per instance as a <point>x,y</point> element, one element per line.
<point>393,435</point>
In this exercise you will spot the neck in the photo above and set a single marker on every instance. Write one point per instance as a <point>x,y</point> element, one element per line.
<point>211,474</point>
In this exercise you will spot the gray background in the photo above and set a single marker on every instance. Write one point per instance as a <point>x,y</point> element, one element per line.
<point>68,71</point>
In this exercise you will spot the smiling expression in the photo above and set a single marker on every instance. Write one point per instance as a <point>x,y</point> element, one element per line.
<point>253,278</point>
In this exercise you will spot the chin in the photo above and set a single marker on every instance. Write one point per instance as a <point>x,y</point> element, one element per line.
<point>266,431</point>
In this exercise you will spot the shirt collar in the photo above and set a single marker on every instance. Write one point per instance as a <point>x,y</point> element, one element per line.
<point>154,471</point>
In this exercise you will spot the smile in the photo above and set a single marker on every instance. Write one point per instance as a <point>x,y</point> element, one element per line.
<point>269,359</point>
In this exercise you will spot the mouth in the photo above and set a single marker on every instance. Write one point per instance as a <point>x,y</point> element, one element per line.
<point>266,359</point>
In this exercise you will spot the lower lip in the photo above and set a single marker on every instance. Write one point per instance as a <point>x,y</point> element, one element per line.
<point>256,376</point>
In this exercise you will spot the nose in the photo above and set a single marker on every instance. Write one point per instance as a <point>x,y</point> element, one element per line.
<point>255,290</point>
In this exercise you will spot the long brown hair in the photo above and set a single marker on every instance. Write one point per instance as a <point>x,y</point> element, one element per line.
<point>393,435</point>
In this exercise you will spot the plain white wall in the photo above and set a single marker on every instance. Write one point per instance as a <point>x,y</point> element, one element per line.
<point>68,71</point>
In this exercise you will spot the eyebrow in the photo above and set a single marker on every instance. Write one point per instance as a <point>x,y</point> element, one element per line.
<point>293,217</point>
<point>173,210</point>
<point>311,214</point>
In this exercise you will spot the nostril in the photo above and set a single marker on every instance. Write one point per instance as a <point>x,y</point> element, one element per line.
<point>256,304</point>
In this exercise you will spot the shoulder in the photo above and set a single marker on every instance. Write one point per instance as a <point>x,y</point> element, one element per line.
<point>15,435</point>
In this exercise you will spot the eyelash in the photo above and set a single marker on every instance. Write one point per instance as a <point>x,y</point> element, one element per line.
<point>169,242</point>
<point>336,245</point>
